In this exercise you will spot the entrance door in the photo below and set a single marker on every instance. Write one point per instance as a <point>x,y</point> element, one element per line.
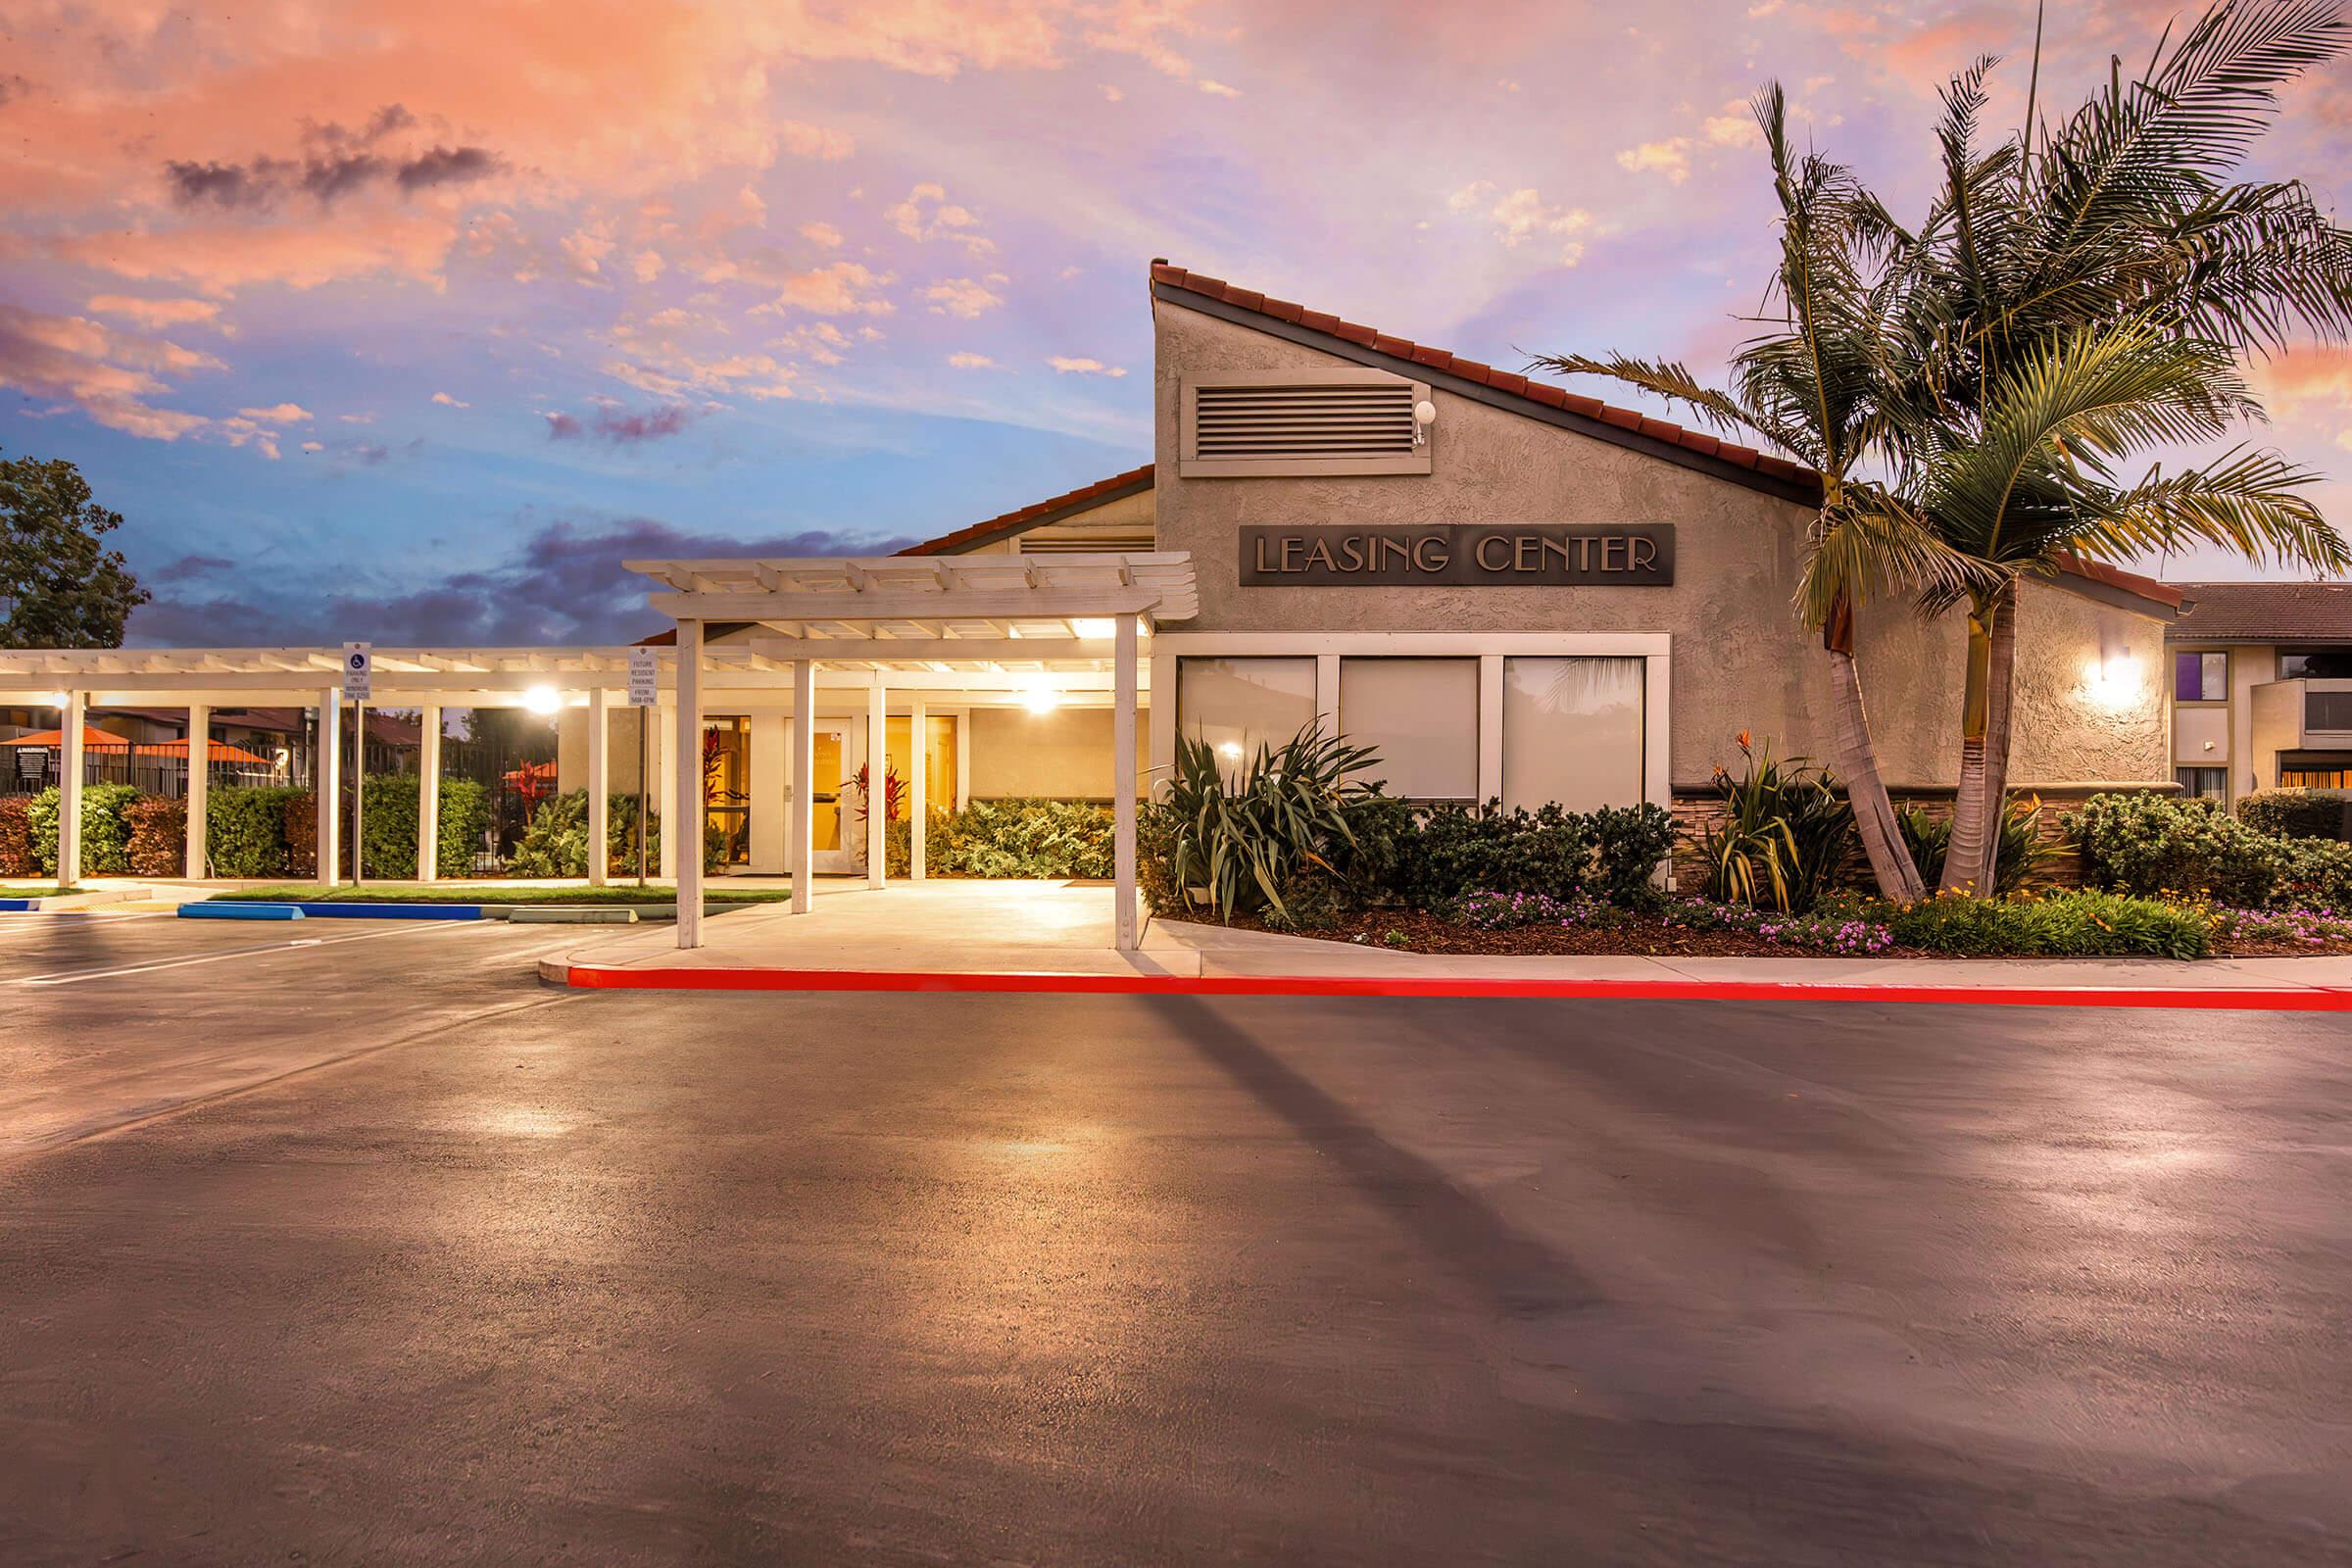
<point>829,739</point>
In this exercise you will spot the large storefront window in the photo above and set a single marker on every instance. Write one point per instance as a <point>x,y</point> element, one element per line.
<point>1237,705</point>
<point>1571,732</point>
<point>1421,715</point>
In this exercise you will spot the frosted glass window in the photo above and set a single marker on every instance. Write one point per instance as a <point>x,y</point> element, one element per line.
<point>1238,704</point>
<point>1571,732</point>
<point>1421,715</point>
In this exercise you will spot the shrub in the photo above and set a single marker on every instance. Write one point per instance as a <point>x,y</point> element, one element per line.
<point>1784,832</point>
<point>389,804</point>
<point>158,836</point>
<point>1014,838</point>
<point>298,822</point>
<point>2023,855</point>
<point>18,857</point>
<point>2149,844</point>
<point>556,844</point>
<point>2292,813</point>
<point>1628,842</point>
<point>105,829</point>
<point>245,832</point>
<point>2317,875</point>
<point>1462,849</point>
<point>1265,837</point>
<point>464,826</point>
<point>2078,924</point>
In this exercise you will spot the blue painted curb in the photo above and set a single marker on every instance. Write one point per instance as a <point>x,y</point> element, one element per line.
<point>336,910</point>
<point>207,910</point>
<point>19,905</point>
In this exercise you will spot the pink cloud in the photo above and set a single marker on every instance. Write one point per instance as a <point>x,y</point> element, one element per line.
<point>224,257</point>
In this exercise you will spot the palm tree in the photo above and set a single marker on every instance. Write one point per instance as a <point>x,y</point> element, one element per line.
<point>1824,383</point>
<point>2086,294</point>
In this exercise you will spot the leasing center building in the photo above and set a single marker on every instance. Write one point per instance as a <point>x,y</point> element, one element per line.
<point>1505,589</point>
<point>1511,591</point>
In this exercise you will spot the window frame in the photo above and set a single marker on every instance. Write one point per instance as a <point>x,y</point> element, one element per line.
<point>2202,653</point>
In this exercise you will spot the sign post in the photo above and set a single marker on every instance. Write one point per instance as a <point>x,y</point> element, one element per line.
<point>358,684</point>
<point>645,694</point>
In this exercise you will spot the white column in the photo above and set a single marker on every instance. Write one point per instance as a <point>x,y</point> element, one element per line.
<point>687,821</point>
<point>428,795</point>
<point>666,788</point>
<point>1122,787</point>
<point>200,784</point>
<point>70,720</point>
<point>600,786</point>
<point>1490,727</point>
<point>918,787</point>
<point>877,792</point>
<point>329,785</point>
<point>801,839</point>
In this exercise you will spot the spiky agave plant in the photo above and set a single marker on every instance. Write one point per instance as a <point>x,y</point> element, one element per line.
<point>1247,835</point>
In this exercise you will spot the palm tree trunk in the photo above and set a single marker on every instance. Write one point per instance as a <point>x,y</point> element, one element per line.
<point>2001,683</point>
<point>1964,851</point>
<point>1857,763</point>
<point>1969,864</point>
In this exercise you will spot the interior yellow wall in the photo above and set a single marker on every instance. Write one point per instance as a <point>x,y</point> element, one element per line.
<point>1066,754</point>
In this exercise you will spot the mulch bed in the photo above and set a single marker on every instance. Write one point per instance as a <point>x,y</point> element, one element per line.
<point>1415,931</point>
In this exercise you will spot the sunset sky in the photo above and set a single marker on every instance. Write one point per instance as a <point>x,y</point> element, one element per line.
<point>406,320</point>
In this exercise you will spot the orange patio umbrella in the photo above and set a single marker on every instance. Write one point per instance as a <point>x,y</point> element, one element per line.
<point>54,738</point>
<point>222,752</point>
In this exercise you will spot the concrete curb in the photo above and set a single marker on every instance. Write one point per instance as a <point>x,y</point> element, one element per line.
<point>606,977</point>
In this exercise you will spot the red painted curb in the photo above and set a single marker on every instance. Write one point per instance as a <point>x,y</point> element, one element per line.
<point>593,977</point>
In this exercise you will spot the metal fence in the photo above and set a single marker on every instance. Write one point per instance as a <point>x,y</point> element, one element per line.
<point>161,769</point>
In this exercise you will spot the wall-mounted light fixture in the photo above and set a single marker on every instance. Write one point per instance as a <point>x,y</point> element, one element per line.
<point>1039,694</point>
<point>543,699</point>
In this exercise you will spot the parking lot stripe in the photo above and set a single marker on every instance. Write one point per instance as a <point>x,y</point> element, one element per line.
<point>66,977</point>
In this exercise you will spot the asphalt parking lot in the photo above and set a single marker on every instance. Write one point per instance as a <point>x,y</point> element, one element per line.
<point>377,1250</point>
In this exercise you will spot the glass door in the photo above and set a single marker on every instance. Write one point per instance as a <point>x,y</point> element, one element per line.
<point>829,741</point>
<point>726,792</point>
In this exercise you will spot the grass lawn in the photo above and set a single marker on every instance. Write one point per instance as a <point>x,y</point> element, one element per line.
<point>9,890</point>
<point>462,892</point>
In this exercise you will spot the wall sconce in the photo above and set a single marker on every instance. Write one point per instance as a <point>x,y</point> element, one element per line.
<point>2114,682</point>
<point>1039,695</point>
<point>543,700</point>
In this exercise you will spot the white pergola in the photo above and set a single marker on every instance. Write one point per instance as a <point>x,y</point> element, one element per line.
<point>918,624</point>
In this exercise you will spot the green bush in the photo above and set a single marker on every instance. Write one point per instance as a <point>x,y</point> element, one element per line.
<point>245,832</point>
<point>105,830</point>
<point>2080,923</point>
<point>2152,844</point>
<point>389,804</point>
<point>18,857</point>
<point>1264,841</point>
<point>465,826</point>
<point>1461,850</point>
<point>1786,832</point>
<point>2291,813</point>
<point>298,822</point>
<point>1628,842</point>
<point>2023,852</point>
<point>159,835</point>
<point>2317,875</point>
<point>1014,838</point>
<point>556,844</point>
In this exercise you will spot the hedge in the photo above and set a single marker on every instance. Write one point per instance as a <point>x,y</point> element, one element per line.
<point>18,857</point>
<point>2294,813</point>
<point>1030,838</point>
<point>105,830</point>
<point>245,831</point>
<point>2152,845</point>
<point>159,835</point>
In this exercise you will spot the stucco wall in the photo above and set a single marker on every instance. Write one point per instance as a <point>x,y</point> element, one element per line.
<point>1740,660</point>
<point>1066,754</point>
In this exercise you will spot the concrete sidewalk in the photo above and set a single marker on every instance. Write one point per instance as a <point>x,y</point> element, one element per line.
<point>1048,936</point>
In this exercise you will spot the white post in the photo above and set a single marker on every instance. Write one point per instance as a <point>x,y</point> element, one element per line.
<point>800,836</point>
<point>600,786</point>
<point>70,720</point>
<point>918,787</point>
<point>200,785</point>
<point>428,795</point>
<point>686,822</point>
<point>665,791</point>
<point>329,775</point>
<point>1122,787</point>
<point>877,790</point>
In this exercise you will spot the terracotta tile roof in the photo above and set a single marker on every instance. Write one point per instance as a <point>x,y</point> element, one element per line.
<point>2264,613</point>
<point>1011,522</point>
<point>1437,358</point>
<point>2169,595</point>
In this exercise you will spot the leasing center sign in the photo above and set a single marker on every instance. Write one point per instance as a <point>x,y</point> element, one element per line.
<point>1638,554</point>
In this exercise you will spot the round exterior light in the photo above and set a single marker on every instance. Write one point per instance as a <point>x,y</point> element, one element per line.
<point>1425,412</point>
<point>2114,683</point>
<point>1039,696</point>
<point>543,699</point>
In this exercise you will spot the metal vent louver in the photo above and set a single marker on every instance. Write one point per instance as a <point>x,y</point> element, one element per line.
<point>1327,424</point>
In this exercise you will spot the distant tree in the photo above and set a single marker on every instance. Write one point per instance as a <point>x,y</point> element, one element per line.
<point>60,586</point>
